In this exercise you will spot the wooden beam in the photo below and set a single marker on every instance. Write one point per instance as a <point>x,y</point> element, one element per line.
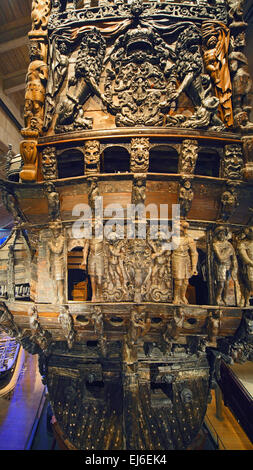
<point>14,29</point>
<point>14,81</point>
<point>13,89</point>
<point>13,44</point>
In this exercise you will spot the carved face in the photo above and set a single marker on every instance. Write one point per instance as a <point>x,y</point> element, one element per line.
<point>233,162</point>
<point>49,158</point>
<point>221,235</point>
<point>140,152</point>
<point>92,152</point>
<point>34,51</point>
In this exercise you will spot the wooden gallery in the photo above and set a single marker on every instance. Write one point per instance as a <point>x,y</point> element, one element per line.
<point>129,267</point>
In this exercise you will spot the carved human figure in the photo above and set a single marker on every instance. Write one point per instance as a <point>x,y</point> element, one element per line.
<point>8,157</point>
<point>216,44</point>
<point>173,327</point>
<point>139,189</point>
<point>161,261</point>
<point>93,254</point>
<point>189,70</point>
<point>58,70</point>
<point>241,81</point>
<point>56,259</point>
<point>188,156</point>
<point>53,201</point>
<point>225,264</point>
<point>213,323</point>
<point>67,323</point>
<point>36,81</point>
<point>229,201</point>
<point>185,196</point>
<point>139,161</point>
<point>93,192</point>
<point>49,163</point>
<point>233,162</point>
<point>116,270</point>
<point>245,252</point>
<point>92,156</point>
<point>184,264</point>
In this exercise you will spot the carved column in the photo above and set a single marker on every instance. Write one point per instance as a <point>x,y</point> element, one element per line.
<point>35,92</point>
<point>188,156</point>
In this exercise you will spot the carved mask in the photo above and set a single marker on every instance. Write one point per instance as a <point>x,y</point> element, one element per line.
<point>92,152</point>
<point>233,162</point>
<point>140,153</point>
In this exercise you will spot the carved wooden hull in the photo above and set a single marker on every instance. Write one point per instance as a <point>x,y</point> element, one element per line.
<point>124,107</point>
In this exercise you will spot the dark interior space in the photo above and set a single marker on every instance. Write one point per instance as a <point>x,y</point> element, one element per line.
<point>163,159</point>
<point>115,159</point>
<point>70,164</point>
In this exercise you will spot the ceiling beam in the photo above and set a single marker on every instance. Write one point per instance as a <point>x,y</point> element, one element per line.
<point>15,29</point>
<point>14,81</point>
<point>13,44</point>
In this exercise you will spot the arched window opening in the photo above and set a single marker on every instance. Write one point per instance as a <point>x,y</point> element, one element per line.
<point>70,164</point>
<point>115,159</point>
<point>163,159</point>
<point>208,163</point>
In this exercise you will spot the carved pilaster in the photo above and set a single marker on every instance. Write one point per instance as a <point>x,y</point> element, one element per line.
<point>232,162</point>
<point>67,323</point>
<point>53,200</point>
<point>188,156</point>
<point>185,196</point>
<point>49,163</point>
<point>139,154</point>
<point>92,157</point>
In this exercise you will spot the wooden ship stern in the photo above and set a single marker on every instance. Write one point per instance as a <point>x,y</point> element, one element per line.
<point>131,111</point>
